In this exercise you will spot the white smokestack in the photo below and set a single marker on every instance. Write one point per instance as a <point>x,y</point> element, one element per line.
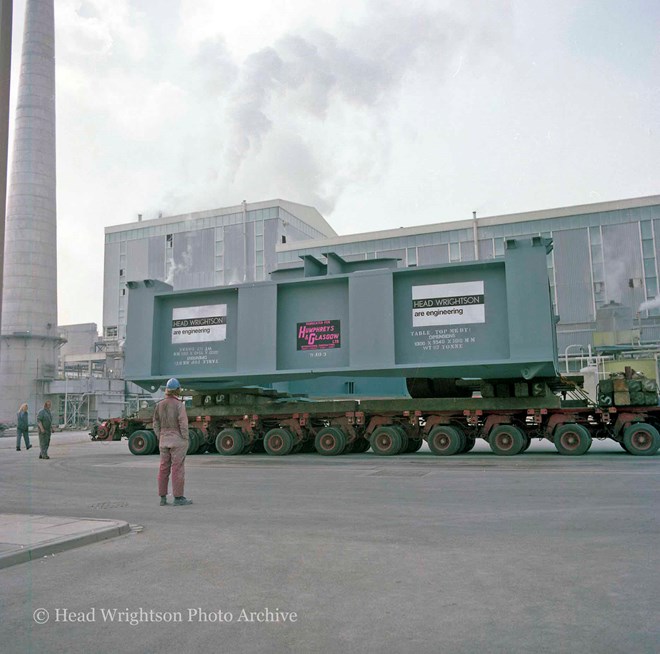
<point>29,342</point>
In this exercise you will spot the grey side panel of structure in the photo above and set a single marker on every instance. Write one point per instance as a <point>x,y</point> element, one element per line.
<point>142,325</point>
<point>29,319</point>
<point>481,319</point>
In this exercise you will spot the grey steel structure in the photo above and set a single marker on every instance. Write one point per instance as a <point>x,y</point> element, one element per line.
<point>489,320</point>
<point>29,335</point>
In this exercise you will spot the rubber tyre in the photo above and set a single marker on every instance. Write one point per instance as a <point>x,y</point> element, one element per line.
<point>404,439</point>
<point>572,439</point>
<point>446,440</point>
<point>386,441</point>
<point>469,444</point>
<point>330,441</point>
<point>153,442</point>
<point>414,444</point>
<point>506,440</point>
<point>528,442</point>
<point>140,442</point>
<point>641,439</point>
<point>230,442</point>
<point>193,443</point>
<point>361,445</point>
<point>278,441</point>
<point>201,442</point>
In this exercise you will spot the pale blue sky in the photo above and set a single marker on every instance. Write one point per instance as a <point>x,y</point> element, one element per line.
<point>380,113</point>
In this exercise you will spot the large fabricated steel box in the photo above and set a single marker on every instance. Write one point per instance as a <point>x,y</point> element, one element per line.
<point>488,319</point>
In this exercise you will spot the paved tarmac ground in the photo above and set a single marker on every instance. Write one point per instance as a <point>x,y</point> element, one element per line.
<point>415,553</point>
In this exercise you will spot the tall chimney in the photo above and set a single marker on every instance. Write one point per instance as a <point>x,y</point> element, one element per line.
<point>6,25</point>
<point>29,337</point>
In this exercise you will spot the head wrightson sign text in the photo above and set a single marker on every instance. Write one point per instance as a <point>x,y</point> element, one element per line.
<point>448,304</point>
<point>199,324</point>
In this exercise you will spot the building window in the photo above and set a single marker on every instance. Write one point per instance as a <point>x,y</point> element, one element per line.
<point>121,272</point>
<point>123,291</point>
<point>169,240</point>
<point>111,332</point>
<point>283,238</point>
<point>411,254</point>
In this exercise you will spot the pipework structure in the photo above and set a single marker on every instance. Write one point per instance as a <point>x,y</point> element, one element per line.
<point>29,337</point>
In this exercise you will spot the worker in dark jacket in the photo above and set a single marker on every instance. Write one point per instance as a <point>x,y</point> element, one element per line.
<point>22,427</point>
<point>45,426</point>
<point>171,429</point>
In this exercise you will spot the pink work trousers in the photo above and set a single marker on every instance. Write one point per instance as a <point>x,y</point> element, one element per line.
<point>172,458</point>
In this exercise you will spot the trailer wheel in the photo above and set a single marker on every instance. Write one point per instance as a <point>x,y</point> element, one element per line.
<point>506,440</point>
<point>404,439</point>
<point>230,442</point>
<point>528,442</point>
<point>278,441</point>
<point>445,440</point>
<point>386,440</point>
<point>153,448</point>
<point>330,441</point>
<point>413,445</point>
<point>572,439</point>
<point>193,443</point>
<point>140,442</point>
<point>469,445</point>
<point>199,437</point>
<point>360,446</point>
<point>641,439</point>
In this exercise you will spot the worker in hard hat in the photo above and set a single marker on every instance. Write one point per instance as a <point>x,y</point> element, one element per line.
<point>171,429</point>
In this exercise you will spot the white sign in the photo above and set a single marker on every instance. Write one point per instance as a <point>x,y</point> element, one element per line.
<point>448,304</point>
<point>199,324</point>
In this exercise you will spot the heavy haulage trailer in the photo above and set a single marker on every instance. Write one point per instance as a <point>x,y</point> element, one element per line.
<point>475,342</point>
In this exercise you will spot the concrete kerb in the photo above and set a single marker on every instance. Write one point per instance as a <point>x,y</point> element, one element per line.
<point>88,531</point>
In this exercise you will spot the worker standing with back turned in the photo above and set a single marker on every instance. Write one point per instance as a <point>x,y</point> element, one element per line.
<point>171,429</point>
